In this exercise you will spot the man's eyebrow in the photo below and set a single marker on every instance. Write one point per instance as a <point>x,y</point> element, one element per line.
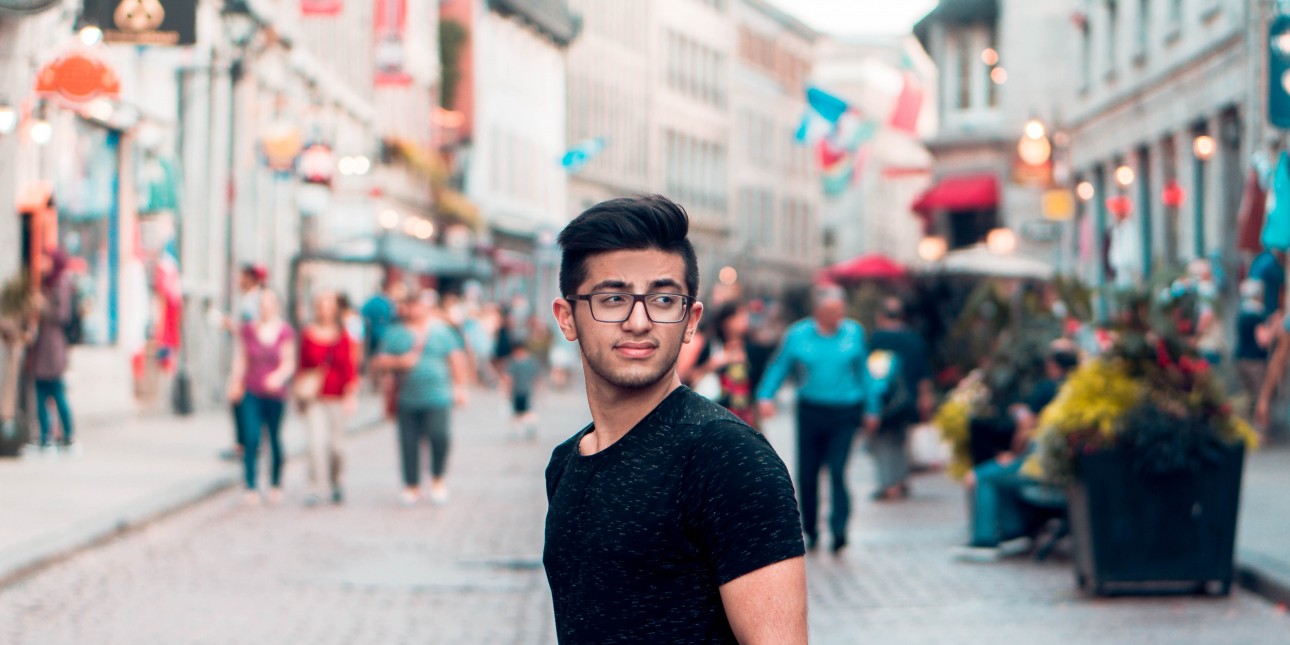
<point>610,284</point>
<point>665,283</point>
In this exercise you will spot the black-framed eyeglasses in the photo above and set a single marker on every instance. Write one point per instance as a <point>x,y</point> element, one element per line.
<point>616,307</point>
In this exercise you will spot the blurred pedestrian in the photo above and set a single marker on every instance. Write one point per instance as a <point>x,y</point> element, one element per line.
<point>355,327</point>
<point>432,373</point>
<point>669,520</point>
<point>1251,354</point>
<point>998,525</point>
<point>835,395</point>
<point>251,280</point>
<point>728,361</point>
<point>908,398</point>
<point>326,387</point>
<point>49,353</point>
<point>522,372</point>
<point>263,363</point>
<point>381,311</point>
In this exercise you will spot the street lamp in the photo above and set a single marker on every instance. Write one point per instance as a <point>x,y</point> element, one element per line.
<point>1203,148</point>
<point>1001,241</point>
<point>1124,176</point>
<point>240,22</point>
<point>932,248</point>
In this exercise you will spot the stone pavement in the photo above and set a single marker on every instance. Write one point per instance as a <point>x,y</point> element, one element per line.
<point>469,572</point>
<point>1263,540</point>
<point>129,472</point>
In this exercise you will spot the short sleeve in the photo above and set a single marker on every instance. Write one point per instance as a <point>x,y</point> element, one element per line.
<point>396,341</point>
<point>739,501</point>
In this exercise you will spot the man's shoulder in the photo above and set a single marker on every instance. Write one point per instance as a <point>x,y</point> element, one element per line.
<point>703,423</point>
<point>561,454</point>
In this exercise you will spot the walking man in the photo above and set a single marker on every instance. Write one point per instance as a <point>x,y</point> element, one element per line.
<point>827,352</point>
<point>670,520</point>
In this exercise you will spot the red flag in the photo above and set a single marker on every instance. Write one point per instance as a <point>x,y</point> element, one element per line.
<point>829,155</point>
<point>1251,214</point>
<point>908,104</point>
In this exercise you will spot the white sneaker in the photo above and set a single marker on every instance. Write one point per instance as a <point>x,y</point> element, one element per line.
<point>49,451</point>
<point>976,553</point>
<point>73,449</point>
<point>439,496</point>
<point>1015,546</point>
<point>408,499</point>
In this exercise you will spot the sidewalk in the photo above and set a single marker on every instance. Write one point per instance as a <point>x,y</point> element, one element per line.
<point>130,472</point>
<point>1263,539</point>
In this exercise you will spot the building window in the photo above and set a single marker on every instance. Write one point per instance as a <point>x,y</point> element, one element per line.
<point>1086,57</point>
<point>964,73</point>
<point>991,87</point>
<point>1140,31</point>
<point>1112,32</point>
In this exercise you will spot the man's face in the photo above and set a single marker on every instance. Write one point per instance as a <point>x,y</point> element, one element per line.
<point>636,353</point>
<point>829,313</point>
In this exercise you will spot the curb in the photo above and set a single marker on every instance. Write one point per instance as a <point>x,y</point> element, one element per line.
<point>31,557</point>
<point>1264,576</point>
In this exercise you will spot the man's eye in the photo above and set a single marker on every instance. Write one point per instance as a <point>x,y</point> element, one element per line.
<point>612,299</point>
<point>666,300</point>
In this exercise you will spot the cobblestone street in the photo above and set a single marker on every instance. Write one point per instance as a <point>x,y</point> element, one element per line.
<point>469,572</point>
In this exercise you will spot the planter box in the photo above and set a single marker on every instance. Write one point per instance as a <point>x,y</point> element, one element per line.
<point>1139,533</point>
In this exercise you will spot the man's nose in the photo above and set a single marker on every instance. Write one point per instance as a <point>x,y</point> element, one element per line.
<point>638,317</point>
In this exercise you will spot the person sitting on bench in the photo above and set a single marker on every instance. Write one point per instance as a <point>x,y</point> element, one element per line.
<point>998,520</point>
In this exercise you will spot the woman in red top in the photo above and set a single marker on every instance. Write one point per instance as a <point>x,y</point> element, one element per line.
<point>326,353</point>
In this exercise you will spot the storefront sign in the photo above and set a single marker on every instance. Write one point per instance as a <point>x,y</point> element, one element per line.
<point>321,7</point>
<point>77,78</point>
<point>1059,205</point>
<point>26,6</point>
<point>144,22</point>
<point>281,146</point>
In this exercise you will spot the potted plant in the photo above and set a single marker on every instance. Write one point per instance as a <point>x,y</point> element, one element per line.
<point>1151,455</point>
<point>18,306</point>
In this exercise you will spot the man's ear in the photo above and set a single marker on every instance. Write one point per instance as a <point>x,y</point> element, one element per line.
<point>563,311</point>
<point>692,323</point>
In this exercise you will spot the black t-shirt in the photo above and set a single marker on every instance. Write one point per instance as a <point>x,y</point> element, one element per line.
<point>640,536</point>
<point>912,350</point>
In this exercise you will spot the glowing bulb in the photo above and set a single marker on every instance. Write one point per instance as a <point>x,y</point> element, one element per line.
<point>728,276</point>
<point>1204,146</point>
<point>8,119</point>
<point>1124,175</point>
<point>388,218</point>
<point>999,75</point>
<point>362,165</point>
<point>41,132</point>
<point>1001,241</point>
<point>1034,129</point>
<point>90,35</point>
<point>1085,191</point>
<point>933,248</point>
<point>990,57</point>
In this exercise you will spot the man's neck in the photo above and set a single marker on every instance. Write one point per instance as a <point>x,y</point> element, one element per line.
<point>615,411</point>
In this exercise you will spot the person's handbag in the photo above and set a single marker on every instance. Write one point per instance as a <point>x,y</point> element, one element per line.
<point>307,385</point>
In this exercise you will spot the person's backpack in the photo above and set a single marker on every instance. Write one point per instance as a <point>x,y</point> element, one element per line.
<point>73,328</point>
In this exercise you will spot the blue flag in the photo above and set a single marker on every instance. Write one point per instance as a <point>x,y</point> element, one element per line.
<point>1276,228</point>
<point>581,154</point>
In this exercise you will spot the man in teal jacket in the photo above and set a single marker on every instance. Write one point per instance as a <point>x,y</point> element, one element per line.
<point>828,355</point>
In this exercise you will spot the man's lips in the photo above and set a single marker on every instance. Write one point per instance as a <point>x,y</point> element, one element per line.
<point>636,349</point>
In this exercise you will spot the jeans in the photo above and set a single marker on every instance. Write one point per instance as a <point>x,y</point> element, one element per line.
<point>239,429</point>
<point>430,424</point>
<point>890,457</point>
<point>824,437</point>
<point>259,412</point>
<point>997,511</point>
<point>53,389</point>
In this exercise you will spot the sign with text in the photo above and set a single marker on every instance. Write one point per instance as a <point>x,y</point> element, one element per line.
<point>144,22</point>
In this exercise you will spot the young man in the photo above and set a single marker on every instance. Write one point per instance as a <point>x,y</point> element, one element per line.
<point>670,520</point>
<point>834,396</point>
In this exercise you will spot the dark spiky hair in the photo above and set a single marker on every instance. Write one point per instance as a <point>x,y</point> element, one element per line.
<point>636,223</point>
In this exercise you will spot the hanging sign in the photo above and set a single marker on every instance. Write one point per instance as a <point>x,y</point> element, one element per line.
<point>77,78</point>
<point>391,53</point>
<point>144,22</point>
<point>280,146</point>
<point>321,7</point>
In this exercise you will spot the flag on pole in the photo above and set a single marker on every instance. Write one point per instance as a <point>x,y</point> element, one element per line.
<point>904,116</point>
<point>581,154</point>
<point>1276,227</point>
<point>828,106</point>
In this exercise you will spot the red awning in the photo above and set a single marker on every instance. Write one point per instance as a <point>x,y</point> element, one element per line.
<point>874,266</point>
<point>959,193</point>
